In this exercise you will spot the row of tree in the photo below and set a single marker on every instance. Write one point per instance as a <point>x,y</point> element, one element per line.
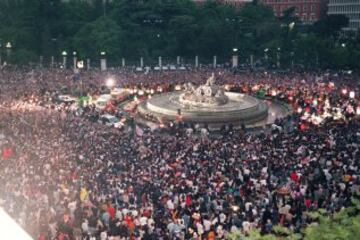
<point>170,28</point>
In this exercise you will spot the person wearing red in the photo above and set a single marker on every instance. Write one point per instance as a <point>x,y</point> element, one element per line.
<point>188,200</point>
<point>112,211</point>
<point>294,176</point>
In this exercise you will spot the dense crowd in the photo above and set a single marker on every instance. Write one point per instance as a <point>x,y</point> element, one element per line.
<point>65,177</point>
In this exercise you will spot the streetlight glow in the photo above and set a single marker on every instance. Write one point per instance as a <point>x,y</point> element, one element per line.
<point>64,53</point>
<point>110,82</point>
<point>291,25</point>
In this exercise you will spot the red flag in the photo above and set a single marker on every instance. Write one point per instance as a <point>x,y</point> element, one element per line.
<point>7,153</point>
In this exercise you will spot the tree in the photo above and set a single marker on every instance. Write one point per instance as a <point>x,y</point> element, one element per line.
<point>169,28</point>
<point>103,34</point>
<point>330,25</point>
<point>341,225</point>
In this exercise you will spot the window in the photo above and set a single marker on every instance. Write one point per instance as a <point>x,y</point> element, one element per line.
<point>313,8</point>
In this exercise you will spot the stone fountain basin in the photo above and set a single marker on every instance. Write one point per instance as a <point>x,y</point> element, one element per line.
<point>239,109</point>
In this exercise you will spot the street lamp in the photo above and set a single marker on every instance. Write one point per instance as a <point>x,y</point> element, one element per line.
<point>74,60</point>
<point>8,47</point>
<point>103,64</point>
<point>53,52</point>
<point>235,58</point>
<point>64,54</point>
<point>343,45</point>
<point>292,59</point>
<point>291,26</point>
<point>266,50</point>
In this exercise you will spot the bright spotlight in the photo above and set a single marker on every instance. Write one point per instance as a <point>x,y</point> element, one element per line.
<point>110,82</point>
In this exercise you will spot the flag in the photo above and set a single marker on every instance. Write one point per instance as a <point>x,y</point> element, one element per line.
<point>7,153</point>
<point>139,132</point>
<point>84,194</point>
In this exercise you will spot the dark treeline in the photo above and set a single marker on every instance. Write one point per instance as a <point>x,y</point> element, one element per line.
<point>170,28</point>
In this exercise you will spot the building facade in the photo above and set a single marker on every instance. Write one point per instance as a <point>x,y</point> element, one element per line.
<point>308,11</point>
<point>349,8</point>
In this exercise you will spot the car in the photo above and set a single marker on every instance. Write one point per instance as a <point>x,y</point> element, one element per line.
<point>139,69</point>
<point>172,67</point>
<point>165,68</point>
<point>182,68</point>
<point>65,99</point>
<point>110,120</point>
<point>117,91</point>
<point>157,68</point>
<point>102,101</point>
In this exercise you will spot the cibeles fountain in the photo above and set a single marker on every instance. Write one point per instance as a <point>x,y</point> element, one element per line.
<point>207,104</point>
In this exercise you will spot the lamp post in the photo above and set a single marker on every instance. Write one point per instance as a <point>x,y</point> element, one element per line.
<point>103,66</point>
<point>52,62</point>
<point>266,56</point>
<point>88,66</point>
<point>74,60</point>
<point>235,58</point>
<point>64,55</point>
<point>252,61</point>
<point>53,40</point>
<point>41,60</point>
<point>160,63</point>
<point>80,65</point>
<point>8,49</point>
<point>278,57</point>
<point>292,59</point>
